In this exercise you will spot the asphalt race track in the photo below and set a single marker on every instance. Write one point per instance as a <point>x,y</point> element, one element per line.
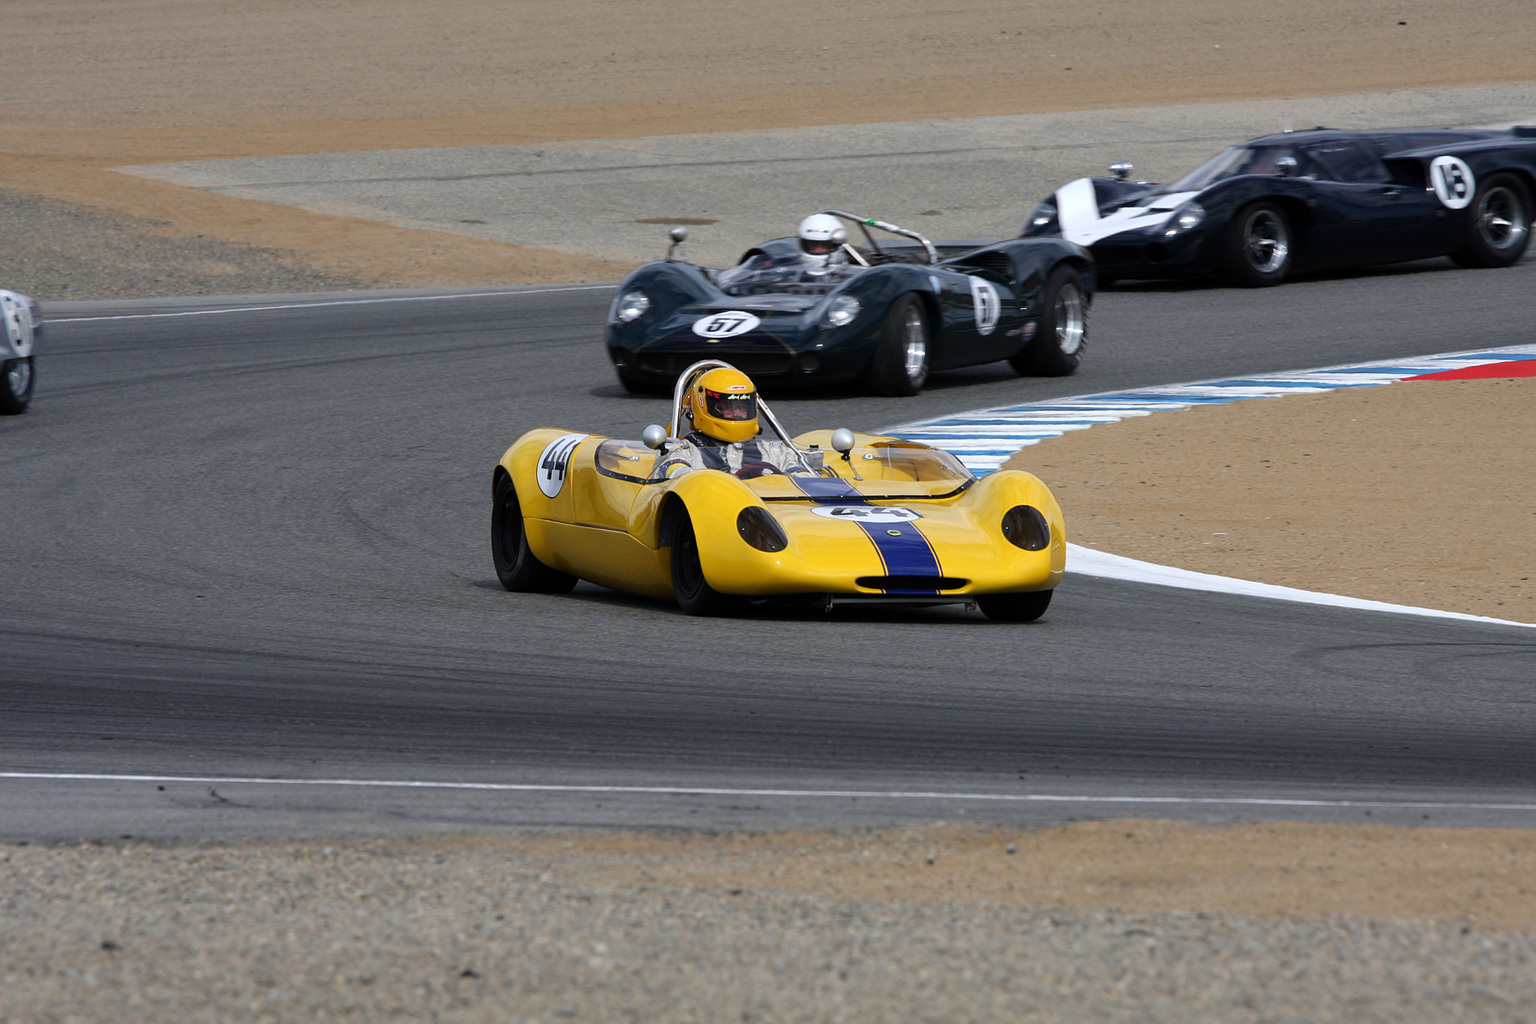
<point>246,543</point>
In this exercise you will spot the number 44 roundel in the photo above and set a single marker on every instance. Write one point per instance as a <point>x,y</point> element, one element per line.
<point>556,461</point>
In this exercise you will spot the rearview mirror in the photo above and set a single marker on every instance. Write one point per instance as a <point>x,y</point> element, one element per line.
<point>654,436</point>
<point>842,440</point>
<point>1121,170</point>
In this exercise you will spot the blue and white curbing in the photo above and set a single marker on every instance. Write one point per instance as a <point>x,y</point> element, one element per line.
<point>984,439</point>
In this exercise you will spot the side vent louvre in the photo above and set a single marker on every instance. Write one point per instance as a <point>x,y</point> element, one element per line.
<point>994,260</point>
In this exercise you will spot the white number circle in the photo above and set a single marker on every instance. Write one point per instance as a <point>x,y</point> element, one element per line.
<point>988,306</point>
<point>867,513</point>
<point>555,461</point>
<point>725,325</point>
<point>1453,182</point>
<point>18,322</point>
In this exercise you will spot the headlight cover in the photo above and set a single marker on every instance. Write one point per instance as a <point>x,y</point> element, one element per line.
<point>631,306</point>
<point>1025,527</point>
<point>1185,217</point>
<point>1041,220</point>
<point>840,312</point>
<point>759,529</point>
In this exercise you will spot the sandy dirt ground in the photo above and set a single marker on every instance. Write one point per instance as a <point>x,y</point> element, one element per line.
<point>94,85</point>
<point>1128,921</point>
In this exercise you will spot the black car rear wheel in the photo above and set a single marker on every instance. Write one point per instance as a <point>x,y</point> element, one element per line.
<point>1015,607</point>
<point>900,365</point>
<point>1062,336</point>
<point>1500,228</point>
<point>16,380</point>
<point>516,565</point>
<point>1258,252</point>
<point>693,592</point>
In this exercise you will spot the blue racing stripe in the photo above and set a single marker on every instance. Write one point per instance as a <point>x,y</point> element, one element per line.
<point>905,552</point>
<point>902,548</point>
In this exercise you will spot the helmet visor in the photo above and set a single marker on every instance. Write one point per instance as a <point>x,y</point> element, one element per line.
<point>735,406</point>
<point>816,246</point>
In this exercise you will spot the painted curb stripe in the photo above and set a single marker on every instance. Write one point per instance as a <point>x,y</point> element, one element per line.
<point>984,439</point>
<point>1487,371</point>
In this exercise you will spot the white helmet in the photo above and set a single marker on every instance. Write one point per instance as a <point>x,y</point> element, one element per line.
<point>816,236</point>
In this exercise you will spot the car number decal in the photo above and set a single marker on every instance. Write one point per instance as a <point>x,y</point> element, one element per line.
<point>868,513</point>
<point>18,322</point>
<point>555,461</point>
<point>988,306</point>
<point>1453,182</point>
<point>725,325</point>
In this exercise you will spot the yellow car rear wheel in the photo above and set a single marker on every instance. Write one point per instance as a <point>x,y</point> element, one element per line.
<point>516,566</point>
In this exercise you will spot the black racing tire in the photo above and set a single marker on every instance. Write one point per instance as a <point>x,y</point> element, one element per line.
<point>635,386</point>
<point>694,594</point>
<point>1015,607</point>
<point>1260,248</point>
<point>900,364</point>
<point>1500,226</point>
<point>1061,337</point>
<point>17,378</point>
<point>516,565</point>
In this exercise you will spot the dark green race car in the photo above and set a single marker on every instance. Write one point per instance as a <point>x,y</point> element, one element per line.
<point>881,316</point>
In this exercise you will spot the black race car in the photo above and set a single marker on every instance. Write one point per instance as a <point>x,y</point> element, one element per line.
<point>882,315</point>
<point>1300,201</point>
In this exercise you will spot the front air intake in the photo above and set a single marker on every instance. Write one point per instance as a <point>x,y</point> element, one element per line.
<point>905,583</point>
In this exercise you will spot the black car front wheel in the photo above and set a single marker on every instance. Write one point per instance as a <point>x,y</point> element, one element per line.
<point>1062,336</point>
<point>516,565</point>
<point>900,365</point>
<point>16,380</point>
<point>1258,252</point>
<point>1500,228</point>
<point>1015,607</point>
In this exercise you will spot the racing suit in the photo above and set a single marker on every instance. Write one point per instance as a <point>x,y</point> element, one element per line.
<point>700,451</point>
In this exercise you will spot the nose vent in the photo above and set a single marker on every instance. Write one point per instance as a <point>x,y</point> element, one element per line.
<point>925,583</point>
<point>1026,528</point>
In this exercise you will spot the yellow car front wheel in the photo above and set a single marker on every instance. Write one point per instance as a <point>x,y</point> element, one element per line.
<point>693,592</point>
<point>1015,607</point>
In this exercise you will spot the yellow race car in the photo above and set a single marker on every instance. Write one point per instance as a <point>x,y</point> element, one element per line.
<point>828,516</point>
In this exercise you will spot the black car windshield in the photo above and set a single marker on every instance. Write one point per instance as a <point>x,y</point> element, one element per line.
<point>763,274</point>
<point>1230,163</point>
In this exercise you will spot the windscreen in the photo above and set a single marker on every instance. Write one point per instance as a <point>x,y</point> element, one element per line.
<point>763,274</point>
<point>1230,163</point>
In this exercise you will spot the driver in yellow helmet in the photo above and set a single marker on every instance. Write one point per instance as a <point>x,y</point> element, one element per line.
<point>719,430</point>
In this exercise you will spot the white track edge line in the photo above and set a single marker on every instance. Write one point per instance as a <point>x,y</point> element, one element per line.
<point>1104,565</point>
<point>834,794</point>
<point>324,303</point>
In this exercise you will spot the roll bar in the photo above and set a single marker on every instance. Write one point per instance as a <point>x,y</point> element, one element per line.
<point>865,223</point>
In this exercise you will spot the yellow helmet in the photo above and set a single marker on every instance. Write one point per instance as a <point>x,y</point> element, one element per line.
<point>723,404</point>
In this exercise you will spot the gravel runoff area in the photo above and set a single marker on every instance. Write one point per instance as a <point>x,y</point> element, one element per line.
<point>937,924</point>
<point>60,251</point>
